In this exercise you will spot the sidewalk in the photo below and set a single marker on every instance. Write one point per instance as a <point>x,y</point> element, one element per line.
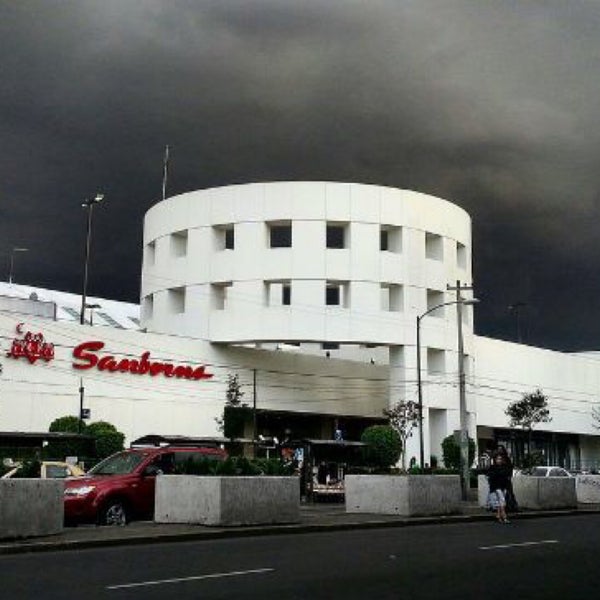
<point>313,518</point>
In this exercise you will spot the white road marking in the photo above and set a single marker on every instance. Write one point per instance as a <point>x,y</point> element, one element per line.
<point>518,545</point>
<point>183,579</point>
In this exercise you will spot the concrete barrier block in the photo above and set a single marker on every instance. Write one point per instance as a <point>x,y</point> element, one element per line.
<point>540,493</point>
<point>31,507</point>
<point>483,490</point>
<point>227,501</point>
<point>588,489</point>
<point>406,495</point>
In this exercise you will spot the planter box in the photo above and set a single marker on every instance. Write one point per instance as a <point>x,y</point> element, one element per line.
<point>588,489</point>
<point>406,495</point>
<point>31,507</point>
<point>539,493</point>
<point>227,501</point>
<point>483,490</point>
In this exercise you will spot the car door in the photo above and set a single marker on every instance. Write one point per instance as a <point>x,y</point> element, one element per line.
<point>144,500</point>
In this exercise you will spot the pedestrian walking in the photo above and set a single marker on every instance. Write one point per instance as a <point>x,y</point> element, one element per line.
<point>511,501</point>
<point>499,480</point>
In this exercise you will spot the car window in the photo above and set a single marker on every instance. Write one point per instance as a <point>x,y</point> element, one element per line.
<point>57,471</point>
<point>558,473</point>
<point>119,464</point>
<point>538,472</point>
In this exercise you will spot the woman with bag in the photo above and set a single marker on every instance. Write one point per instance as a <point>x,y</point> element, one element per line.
<point>499,480</point>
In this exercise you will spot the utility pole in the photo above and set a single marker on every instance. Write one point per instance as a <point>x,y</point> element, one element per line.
<point>516,308</point>
<point>254,431</point>
<point>464,425</point>
<point>81,394</point>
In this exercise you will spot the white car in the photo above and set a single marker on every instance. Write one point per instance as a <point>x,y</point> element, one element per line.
<point>548,472</point>
<point>50,469</point>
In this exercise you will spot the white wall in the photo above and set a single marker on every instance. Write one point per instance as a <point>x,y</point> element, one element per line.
<point>33,395</point>
<point>504,371</point>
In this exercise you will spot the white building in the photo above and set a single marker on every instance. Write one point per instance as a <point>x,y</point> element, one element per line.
<point>310,292</point>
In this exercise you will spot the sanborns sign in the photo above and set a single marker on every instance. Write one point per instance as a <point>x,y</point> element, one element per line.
<point>86,357</point>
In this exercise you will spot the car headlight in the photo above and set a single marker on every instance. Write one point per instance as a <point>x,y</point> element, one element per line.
<point>83,490</point>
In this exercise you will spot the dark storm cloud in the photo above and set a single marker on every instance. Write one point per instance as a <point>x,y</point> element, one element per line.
<point>491,105</point>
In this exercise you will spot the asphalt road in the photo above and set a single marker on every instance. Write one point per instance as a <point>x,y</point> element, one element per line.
<point>529,559</point>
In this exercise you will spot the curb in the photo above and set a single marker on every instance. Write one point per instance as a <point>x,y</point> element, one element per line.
<point>22,547</point>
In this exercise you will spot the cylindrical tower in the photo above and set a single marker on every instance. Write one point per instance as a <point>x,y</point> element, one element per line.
<point>313,262</point>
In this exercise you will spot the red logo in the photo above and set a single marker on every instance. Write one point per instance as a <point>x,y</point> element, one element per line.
<point>86,357</point>
<point>32,346</point>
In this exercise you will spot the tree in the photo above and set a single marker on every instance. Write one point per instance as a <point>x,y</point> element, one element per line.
<point>60,449</point>
<point>383,446</point>
<point>231,424</point>
<point>528,412</point>
<point>451,452</point>
<point>404,418</point>
<point>108,439</point>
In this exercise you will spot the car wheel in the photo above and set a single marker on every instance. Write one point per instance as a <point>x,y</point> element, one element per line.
<point>114,513</point>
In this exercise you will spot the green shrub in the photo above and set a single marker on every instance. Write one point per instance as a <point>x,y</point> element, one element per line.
<point>28,469</point>
<point>383,446</point>
<point>451,452</point>
<point>108,439</point>
<point>233,465</point>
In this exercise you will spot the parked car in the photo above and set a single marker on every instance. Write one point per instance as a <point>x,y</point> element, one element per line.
<point>547,472</point>
<point>121,487</point>
<point>50,469</point>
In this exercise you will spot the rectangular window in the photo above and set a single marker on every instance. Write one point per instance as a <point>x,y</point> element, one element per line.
<point>219,295</point>
<point>229,238</point>
<point>461,256</point>
<point>330,346</point>
<point>390,238</point>
<point>333,294</point>
<point>148,306</point>
<point>280,234</point>
<point>278,293</point>
<point>151,254</point>
<point>337,293</point>
<point>336,235</point>
<point>176,299</point>
<point>392,297</point>
<point>179,242</point>
<point>434,246</point>
<point>224,237</point>
<point>286,294</point>
<point>435,298</point>
<point>384,242</point>
<point>436,361</point>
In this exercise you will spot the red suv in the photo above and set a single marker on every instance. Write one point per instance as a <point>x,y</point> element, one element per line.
<point>121,487</point>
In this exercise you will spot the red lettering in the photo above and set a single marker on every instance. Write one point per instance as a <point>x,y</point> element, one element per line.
<point>200,373</point>
<point>89,360</point>
<point>156,368</point>
<point>184,372</point>
<point>108,363</point>
<point>144,364</point>
<point>86,359</point>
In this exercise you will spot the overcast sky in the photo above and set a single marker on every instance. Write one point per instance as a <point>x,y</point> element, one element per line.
<point>491,104</point>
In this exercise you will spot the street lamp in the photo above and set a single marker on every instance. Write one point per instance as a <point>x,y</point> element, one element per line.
<point>459,304</point>
<point>92,307</point>
<point>89,204</point>
<point>12,261</point>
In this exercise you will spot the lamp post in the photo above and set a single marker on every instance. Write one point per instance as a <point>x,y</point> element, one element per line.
<point>92,307</point>
<point>460,302</point>
<point>12,262</point>
<point>89,204</point>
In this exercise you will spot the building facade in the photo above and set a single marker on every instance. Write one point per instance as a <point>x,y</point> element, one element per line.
<point>310,293</point>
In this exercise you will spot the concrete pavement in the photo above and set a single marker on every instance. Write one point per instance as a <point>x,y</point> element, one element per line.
<point>313,517</point>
